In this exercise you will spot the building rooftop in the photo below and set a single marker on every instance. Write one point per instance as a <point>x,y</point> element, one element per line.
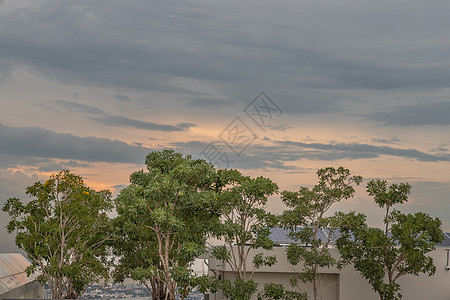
<point>12,271</point>
<point>280,236</point>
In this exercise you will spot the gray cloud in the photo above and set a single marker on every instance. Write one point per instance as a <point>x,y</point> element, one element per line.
<point>255,157</point>
<point>261,158</point>
<point>39,142</point>
<point>116,120</point>
<point>74,106</point>
<point>38,164</point>
<point>391,141</point>
<point>122,98</point>
<point>419,114</point>
<point>148,46</point>
<point>135,49</point>
<point>280,155</point>
<point>52,166</point>
<point>360,151</point>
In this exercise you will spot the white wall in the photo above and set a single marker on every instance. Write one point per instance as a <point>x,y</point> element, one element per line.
<point>348,284</point>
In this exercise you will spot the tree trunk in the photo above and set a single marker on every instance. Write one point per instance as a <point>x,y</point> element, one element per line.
<point>315,283</point>
<point>171,290</point>
<point>158,289</point>
<point>315,290</point>
<point>70,293</point>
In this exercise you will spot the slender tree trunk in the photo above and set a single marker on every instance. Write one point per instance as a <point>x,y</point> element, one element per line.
<point>315,283</point>
<point>70,293</point>
<point>171,290</point>
<point>158,289</point>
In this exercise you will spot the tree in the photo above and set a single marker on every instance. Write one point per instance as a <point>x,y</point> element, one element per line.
<point>135,245</point>
<point>63,231</point>
<point>169,211</point>
<point>273,291</point>
<point>383,256</point>
<point>245,227</point>
<point>306,219</point>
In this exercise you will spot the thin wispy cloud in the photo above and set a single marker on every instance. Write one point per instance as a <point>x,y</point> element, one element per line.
<point>282,155</point>
<point>360,151</point>
<point>122,98</point>
<point>391,141</point>
<point>103,117</point>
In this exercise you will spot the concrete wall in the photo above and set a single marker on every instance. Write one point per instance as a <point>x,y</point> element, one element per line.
<point>435,287</point>
<point>281,272</point>
<point>348,284</point>
<point>31,290</point>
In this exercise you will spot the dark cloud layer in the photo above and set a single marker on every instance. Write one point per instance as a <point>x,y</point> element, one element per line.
<point>287,49</point>
<point>360,151</point>
<point>256,157</point>
<point>419,114</point>
<point>281,155</point>
<point>39,142</point>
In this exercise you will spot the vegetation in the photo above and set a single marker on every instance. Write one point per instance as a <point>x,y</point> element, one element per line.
<point>383,256</point>
<point>245,228</point>
<point>135,245</point>
<point>167,213</point>
<point>273,291</point>
<point>63,230</point>
<point>306,218</point>
<point>164,218</point>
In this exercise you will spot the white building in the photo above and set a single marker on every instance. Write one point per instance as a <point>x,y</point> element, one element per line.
<point>346,284</point>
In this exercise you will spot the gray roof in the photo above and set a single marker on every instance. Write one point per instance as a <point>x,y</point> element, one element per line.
<point>446,242</point>
<point>280,236</point>
<point>12,271</point>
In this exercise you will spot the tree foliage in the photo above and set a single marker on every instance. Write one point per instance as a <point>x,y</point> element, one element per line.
<point>63,230</point>
<point>274,291</point>
<point>306,219</point>
<point>245,228</point>
<point>167,213</point>
<point>135,245</point>
<point>383,256</point>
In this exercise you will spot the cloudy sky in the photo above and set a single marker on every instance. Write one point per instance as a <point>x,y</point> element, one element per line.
<point>273,88</point>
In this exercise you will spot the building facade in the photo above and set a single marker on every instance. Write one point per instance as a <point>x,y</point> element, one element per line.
<point>345,284</point>
<point>14,282</point>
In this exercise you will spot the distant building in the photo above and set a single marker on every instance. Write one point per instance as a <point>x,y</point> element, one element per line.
<point>344,284</point>
<point>14,282</point>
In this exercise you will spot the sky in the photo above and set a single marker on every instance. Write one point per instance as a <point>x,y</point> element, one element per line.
<point>273,88</point>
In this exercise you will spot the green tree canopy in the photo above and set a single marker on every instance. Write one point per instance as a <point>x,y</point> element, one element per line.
<point>63,230</point>
<point>383,256</point>
<point>135,245</point>
<point>245,227</point>
<point>306,217</point>
<point>167,213</point>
